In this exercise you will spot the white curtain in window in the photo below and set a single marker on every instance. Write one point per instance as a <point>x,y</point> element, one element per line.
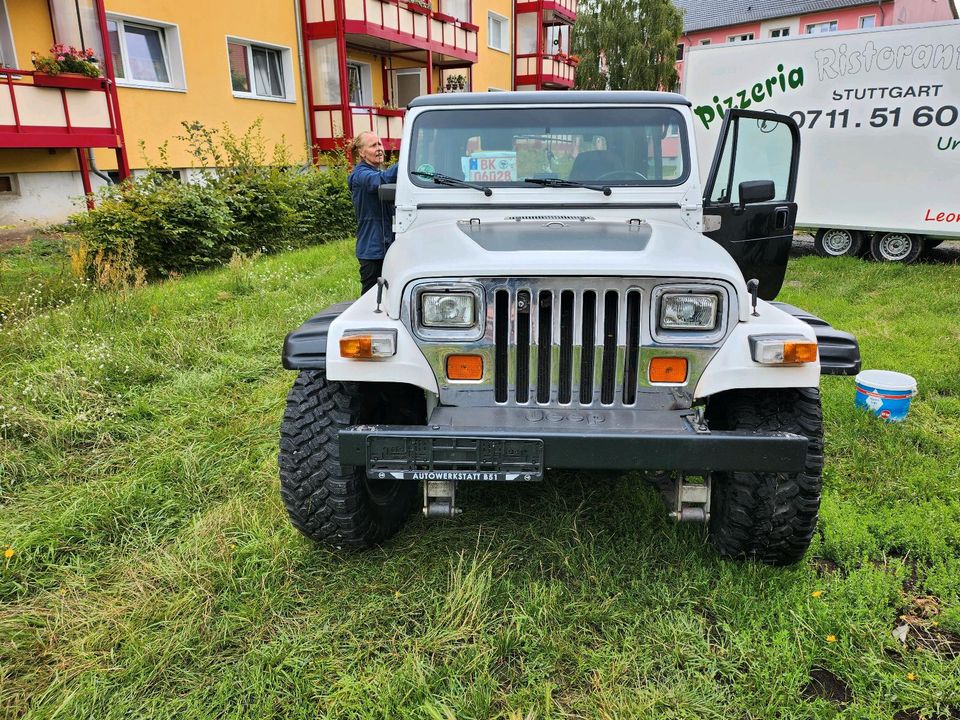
<point>526,33</point>
<point>326,74</point>
<point>460,9</point>
<point>75,23</point>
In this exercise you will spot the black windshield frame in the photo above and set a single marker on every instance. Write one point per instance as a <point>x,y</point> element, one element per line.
<point>477,120</point>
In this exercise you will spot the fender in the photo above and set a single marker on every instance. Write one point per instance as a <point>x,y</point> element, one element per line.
<point>408,366</point>
<point>733,368</point>
<point>306,347</point>
<point>839,351</point>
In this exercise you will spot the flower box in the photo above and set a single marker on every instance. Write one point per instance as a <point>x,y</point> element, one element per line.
<point>469,26</point>
<point>418,9</point>
<point>443,17</point>
<point>68,81</point>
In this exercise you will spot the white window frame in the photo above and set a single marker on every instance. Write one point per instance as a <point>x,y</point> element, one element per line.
<point>286,70</point>
<point>504,31</point>
<point>421,73</point>
<point>741,37</point>
<point>864,17</point>
<point>832,26</point>
<point>6,38</point>
<point>170,45</point>
<point>781,32</point>
<point>365,72</point>
<point>705,41</point>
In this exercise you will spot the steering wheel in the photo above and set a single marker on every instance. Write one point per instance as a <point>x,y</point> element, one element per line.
<point>621,175</point>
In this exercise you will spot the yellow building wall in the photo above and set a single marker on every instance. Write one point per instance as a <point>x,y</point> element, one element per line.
<point>30,25</point>
<point>494,69</point>
<point>154,116</point>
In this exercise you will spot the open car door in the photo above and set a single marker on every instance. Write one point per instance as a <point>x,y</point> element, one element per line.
<point>748,203</point>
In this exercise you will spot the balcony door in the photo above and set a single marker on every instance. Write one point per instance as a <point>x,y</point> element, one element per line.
<point>408,84</point>
<point>75,22</point>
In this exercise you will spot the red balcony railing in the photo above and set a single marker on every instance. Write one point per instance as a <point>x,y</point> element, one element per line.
<point>556,70</point>
<point>402,22</point>
<point>62,111</point>
<point>386,122</point>
<point>554,11</point>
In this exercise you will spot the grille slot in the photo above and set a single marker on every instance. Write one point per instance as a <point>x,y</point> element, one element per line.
<point>557,345</point>
<point>535,218</point>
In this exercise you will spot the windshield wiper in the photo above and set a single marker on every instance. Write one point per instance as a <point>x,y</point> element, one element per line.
<point>441,179</point>
<point>557,182</point>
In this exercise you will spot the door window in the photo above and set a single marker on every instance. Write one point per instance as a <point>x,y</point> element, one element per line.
<point>756,146</point>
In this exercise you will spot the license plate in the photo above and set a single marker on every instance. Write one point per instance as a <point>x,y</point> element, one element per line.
<point>407,457</point>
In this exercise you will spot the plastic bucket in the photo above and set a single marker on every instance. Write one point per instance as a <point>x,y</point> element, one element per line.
<point>885,393</point>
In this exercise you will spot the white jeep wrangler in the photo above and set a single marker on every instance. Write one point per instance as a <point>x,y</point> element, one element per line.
<point>563,292</point>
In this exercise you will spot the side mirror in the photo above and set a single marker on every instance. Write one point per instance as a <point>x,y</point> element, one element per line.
<point>388,193</point>
<point>756,191</point>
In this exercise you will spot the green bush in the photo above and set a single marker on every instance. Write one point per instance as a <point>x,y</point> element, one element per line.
<point>243,203</point>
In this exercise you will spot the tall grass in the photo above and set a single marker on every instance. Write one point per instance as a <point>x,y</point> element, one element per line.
<point>153,573</point>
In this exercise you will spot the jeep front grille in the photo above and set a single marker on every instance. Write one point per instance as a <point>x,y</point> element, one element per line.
<point>555,343</point>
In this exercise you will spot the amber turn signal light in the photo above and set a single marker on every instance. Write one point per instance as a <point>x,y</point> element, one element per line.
<point>668,370</point>
<point>799,352</point>
<point>464,367</point>
<point>356,346</point>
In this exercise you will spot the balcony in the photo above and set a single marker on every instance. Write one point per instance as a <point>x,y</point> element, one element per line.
<point>557,71</point>
<point>555,12</point>
<point>63,111</point>
<point>389,26</point>
<point>385,122</point>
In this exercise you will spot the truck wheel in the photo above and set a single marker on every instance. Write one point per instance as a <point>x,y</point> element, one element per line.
<point>768,517</point>
<point>836,242</point>
<point>895,247</point>
<point>330,503</point>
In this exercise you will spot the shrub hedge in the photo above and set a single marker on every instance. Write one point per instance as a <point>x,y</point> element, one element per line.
<point>242,203</point>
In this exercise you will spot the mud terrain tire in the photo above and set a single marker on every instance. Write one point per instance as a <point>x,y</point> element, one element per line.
<point>334,505</point>
<point>768,517</point>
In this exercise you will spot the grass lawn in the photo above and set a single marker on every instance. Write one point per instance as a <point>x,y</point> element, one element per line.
<point>152,572</point>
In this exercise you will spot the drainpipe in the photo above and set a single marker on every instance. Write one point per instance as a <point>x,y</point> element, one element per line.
<point>95,170</point>
<point>883,13</point>
<point>303,83</point>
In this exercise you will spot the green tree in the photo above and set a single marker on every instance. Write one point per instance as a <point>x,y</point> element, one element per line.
<point>627,44</point>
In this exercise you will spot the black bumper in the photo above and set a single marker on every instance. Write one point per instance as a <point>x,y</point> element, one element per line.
<point>576,439</point>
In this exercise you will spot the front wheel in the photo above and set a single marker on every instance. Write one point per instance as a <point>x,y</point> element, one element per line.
<point>333,504</point>
<point>769,517</point>
<point>895,247</point>
<point>837,242</point>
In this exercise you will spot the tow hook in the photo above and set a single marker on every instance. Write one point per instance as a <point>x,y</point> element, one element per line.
<point>689,501</point>
<point>440,499</point>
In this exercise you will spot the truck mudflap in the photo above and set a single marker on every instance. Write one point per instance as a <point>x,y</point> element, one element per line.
<point>839,350</point>
<point>516,444</point>
<point>306,347</point>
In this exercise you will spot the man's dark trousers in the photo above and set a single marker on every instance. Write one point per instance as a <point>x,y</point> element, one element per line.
<point>370,270</point>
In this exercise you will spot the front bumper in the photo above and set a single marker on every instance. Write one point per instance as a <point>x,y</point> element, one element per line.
<point>465,443</point>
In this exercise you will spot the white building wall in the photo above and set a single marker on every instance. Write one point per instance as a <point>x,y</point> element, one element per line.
<point>44,198</point>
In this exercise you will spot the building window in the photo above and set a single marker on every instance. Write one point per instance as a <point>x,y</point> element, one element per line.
<point>498,32</point>
<point>360,83</point>
<point>259,71</point>
<point>8,57</point>
<point>741,38</point>
<point>145,54</point>
<point>8,185</point>
<point>780,32</point>
<point>868,21</point>
<point>824,27</point>
<point>679,52</point>
<point>705,42</point>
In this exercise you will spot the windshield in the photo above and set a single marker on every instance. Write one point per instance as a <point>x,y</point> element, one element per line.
<point>500,147</point>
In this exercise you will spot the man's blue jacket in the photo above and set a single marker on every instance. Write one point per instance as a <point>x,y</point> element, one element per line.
<point>374,219</point>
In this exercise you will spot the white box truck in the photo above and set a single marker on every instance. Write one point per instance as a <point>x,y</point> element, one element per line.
<point>879,118</point>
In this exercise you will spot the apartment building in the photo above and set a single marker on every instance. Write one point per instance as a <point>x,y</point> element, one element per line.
<point>708,22</point>
<point>313,72</point>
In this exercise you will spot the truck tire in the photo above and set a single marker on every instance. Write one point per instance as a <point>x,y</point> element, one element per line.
<point>838,242</point>
<point>330,503</point>
<point>895,247</point>
<point>768,517</point>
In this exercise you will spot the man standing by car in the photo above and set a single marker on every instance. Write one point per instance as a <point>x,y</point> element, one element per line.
<point>374,221</point>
